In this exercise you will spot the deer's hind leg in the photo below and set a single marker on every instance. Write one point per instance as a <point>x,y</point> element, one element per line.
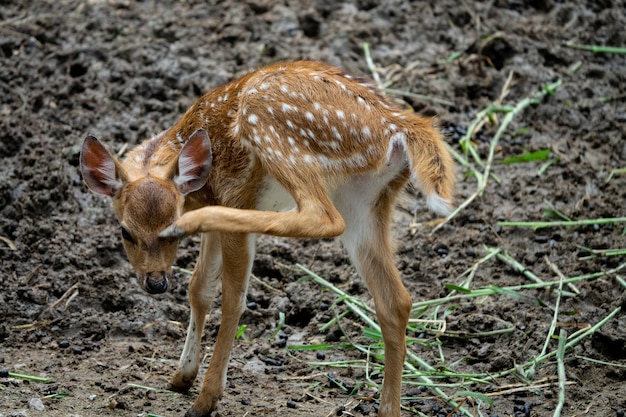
<point>367,239</point>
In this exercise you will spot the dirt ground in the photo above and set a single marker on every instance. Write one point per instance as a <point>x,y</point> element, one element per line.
<point>122,70</point>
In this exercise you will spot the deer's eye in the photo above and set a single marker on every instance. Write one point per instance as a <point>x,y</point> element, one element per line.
<point>127,236</point>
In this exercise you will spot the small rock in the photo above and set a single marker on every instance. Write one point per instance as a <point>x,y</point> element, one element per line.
<point>77,350</point>
<point>273,362</point>
<point>35,404</point>
<point>441,251</point>
<point>291,404</point>
<point>363,408</point>
<point>245,401</point>
<point>320,355</point>
<point>4,373</point>
<point>252,305</point>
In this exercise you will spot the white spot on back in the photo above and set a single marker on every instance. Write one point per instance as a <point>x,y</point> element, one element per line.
<point>253,119</point>
<point>309,116</point>
<point>287,107</point>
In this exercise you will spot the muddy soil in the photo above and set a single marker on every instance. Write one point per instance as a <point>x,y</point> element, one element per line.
<point>122,70</point>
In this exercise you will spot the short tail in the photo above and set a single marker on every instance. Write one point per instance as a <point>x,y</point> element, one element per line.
<point>431,164</point>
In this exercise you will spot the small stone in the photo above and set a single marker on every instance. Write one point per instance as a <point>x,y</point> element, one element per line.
<point>77,350</point>
<point>320,355</point>
<point>64,344</point>
<point>245,401</point>
<point>363,408</point>
<point>541,239</point>
<point>442,251</point>
<point>35,404</point>
<point>273,362</point>
<point>4,373</point>
<point>252,305</point>
<point>291,404</point>
<point>324,306</point>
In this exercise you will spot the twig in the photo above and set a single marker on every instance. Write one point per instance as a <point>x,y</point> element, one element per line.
<point>558,272</point>
<point>70,294</point>
<point>9,242</point>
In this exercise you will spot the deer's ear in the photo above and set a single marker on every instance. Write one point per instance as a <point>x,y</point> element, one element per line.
<point>101,171</point>
<point>194,162</point>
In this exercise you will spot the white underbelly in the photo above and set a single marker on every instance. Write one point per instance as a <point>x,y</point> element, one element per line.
<point>274,197</point>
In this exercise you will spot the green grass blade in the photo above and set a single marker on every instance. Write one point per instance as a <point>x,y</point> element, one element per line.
<point>572,223</point>
<point>29,377</point>
<point>540,155</point>
<point>599,48</point>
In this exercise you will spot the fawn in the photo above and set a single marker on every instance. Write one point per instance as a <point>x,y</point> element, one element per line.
<point>296,149</point>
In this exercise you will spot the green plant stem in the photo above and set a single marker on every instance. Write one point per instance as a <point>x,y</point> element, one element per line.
<point>560,360</point>
<point>540,225</point>
<point>598,48</point>
<point>29,377</point>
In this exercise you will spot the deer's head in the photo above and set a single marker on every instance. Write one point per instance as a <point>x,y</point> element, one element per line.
<point>146,199</point>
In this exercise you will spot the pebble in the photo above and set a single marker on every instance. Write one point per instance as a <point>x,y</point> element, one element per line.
<point>252,305</point>
<point>541,239</point>
<point>291,404</point>
<point>324,306</point>
<point>320,355</point>
<point>273,362</point>
<point>619,413</point>
<point>77,350</point>
<point>363,408</point>
<point>442,250</point>
<point>63,344</point>
<point>36,404</point>
<point>245,401</point>
<point>4,373</point>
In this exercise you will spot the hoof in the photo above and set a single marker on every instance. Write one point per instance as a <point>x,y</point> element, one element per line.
<point>180,383</point>
<point>183,389</point>
<point>193,413</point>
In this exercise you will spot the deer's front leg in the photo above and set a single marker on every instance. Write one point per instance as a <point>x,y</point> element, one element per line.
<point>237,254</point>
<point>202,289</point>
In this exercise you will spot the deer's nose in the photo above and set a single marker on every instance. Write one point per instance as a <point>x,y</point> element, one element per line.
<point>156,282</point>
